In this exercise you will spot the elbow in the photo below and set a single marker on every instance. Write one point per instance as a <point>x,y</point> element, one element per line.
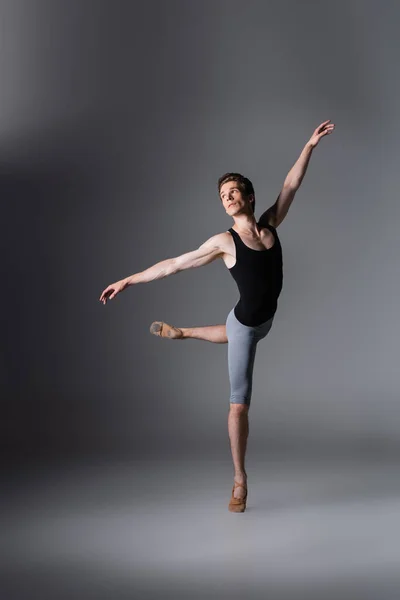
<point>292,184</point>
<point>173,267</point>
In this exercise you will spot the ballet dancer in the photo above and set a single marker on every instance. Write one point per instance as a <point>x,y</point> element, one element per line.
<point>252,253</point>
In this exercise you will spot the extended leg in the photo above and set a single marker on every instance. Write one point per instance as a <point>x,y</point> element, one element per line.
<point>210,333</point>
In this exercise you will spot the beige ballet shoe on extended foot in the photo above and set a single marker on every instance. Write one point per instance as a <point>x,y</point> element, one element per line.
<point>164,330</point>
<point>238,504</point>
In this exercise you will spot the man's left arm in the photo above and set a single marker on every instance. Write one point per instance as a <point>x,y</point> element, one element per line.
<point>275,214</point>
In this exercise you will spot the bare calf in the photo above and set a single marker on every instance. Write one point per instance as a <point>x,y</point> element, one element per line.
<point>210,333</point>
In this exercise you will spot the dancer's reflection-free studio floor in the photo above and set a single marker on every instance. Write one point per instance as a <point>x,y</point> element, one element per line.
<point>150,530</point>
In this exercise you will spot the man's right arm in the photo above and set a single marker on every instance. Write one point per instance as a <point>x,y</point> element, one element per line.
<point>206,253</point>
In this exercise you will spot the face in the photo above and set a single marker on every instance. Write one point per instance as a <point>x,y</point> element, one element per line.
<point>233,199</point>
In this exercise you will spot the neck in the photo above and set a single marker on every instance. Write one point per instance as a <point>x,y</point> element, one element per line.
<point>246,224</point>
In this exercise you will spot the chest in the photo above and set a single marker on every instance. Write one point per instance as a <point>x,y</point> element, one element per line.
<point>264,242</point>
<point>250,246</point>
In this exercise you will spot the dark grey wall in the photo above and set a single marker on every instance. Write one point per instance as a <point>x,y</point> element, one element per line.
<point>117,118</point>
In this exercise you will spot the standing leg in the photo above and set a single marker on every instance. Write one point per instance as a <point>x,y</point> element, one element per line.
<point>241,354</point>
<point>238,429</point>
<point>242,346</point>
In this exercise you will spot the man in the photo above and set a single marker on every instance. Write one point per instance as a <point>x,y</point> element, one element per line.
<point>252,252</point>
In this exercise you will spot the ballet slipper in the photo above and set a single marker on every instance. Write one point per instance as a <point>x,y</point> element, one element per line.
<point>238,504</point>
<point>164,330</point>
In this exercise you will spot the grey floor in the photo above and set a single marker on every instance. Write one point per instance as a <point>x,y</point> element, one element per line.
<point>313,529</point>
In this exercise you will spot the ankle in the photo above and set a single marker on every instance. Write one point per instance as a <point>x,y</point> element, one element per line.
<point>186,331</point>
<point>241,477</point>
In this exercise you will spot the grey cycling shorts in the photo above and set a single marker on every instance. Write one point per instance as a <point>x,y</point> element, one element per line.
<point>242,346</point>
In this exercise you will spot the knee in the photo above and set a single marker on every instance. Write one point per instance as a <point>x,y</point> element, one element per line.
<point>239,409</point>
<point>240,400</point>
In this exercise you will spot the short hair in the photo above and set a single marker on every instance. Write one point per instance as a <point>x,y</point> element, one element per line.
<point>244,184</point>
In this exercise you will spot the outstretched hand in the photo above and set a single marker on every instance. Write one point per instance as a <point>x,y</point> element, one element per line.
<point>112,290</point>
<point>324,129</point>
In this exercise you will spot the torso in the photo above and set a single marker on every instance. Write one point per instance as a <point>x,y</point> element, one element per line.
<point>255,263</point>
<point>264,242</point>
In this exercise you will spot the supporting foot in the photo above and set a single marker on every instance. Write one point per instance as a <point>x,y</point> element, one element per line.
<point>166,331</point>
<point>238,504</point>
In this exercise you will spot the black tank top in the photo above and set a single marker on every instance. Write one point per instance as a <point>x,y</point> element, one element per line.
<point>259,277</point>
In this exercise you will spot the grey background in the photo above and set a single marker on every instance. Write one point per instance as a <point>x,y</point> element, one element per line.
<point>116,121</point>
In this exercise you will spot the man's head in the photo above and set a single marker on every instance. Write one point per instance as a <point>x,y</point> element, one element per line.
<point>236,193</point>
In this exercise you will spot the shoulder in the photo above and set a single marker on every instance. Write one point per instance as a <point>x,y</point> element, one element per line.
<point>219,240</point>
<point>267,220</point>
<point>264,224</point>
<point>221,244</point>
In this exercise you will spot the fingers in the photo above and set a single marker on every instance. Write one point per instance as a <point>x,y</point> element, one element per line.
<point>324,125</point>
<point>106,294</point>
<point>329,129</point>
<point>325,129</point>
<point>103,295</point>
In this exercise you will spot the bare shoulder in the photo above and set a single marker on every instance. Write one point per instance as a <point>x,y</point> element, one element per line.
<point>226,246</point>
<point>218,241</point>
<point>213,248</point>
<point>267,220</point>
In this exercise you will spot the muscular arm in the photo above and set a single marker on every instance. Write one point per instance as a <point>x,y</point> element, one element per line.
<point>278,211</point>
<point>205,254</point>
<point>297,172</point>
<point>275,214</point>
